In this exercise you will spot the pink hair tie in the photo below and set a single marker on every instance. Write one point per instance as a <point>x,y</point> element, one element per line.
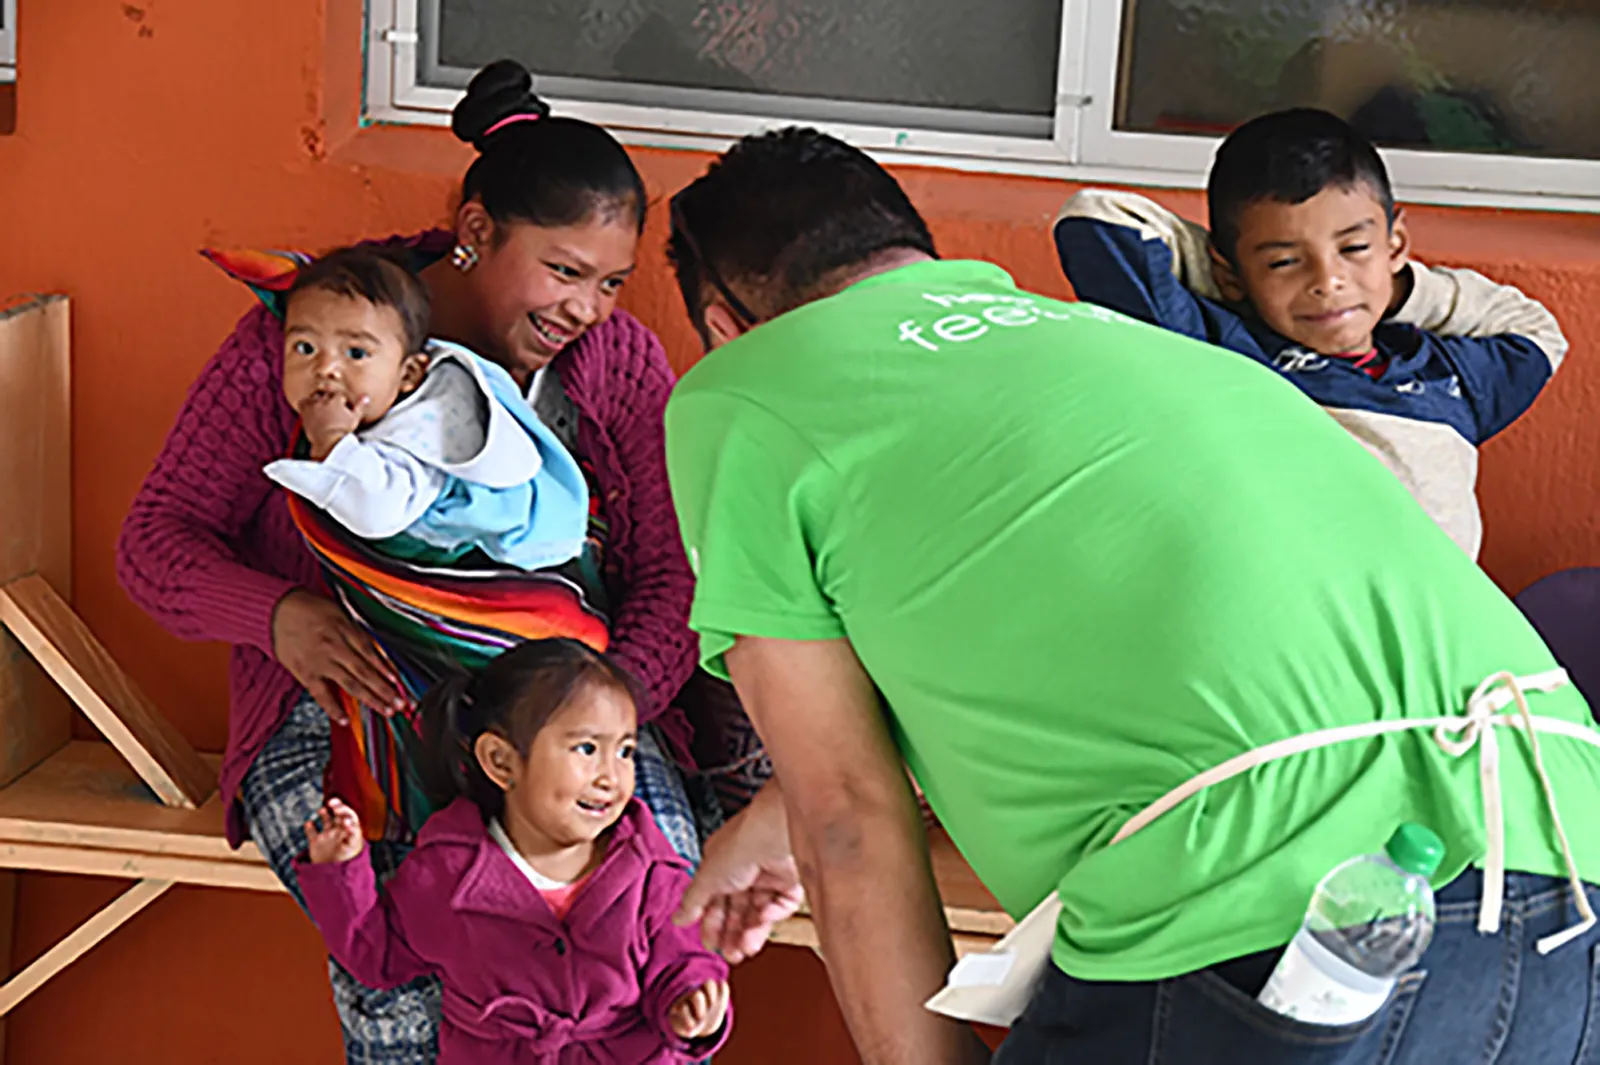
<point>504,122</point>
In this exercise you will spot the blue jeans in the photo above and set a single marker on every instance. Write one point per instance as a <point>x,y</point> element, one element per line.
<point>1474,1000</point>
<point>283,789</point>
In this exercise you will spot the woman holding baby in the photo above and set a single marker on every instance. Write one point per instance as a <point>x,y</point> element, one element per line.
<point>527,277</point>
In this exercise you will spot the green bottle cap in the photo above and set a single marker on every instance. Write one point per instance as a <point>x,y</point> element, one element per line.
<point>1416,849</point>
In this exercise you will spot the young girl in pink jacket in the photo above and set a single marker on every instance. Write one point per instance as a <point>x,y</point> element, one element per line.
<point>543,897</point>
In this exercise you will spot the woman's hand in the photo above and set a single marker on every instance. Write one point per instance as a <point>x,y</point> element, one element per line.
<point>747,881</point>
<point>700,1013</point>
<point>334,835</point>
<point>325,651</point>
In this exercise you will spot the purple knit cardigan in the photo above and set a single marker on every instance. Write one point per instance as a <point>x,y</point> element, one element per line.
<point>208,547</point>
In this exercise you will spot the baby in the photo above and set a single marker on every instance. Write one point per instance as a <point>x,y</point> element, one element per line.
<point>415,442</point>
<point>543,897</point>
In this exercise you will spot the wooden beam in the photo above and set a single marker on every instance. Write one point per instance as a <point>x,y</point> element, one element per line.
<point>35,512</point>
<point>79,941</point>
<point>59,640</point>
<point>801,932</point>
<point>49,858</point>
<point>8,910</point>
<point>87,795</point>
<point>796,932</point>
<point>84,811</point>
<point>115,838</point>
<point>983,924</point>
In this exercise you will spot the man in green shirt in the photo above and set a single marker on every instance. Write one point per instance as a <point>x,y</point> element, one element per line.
<point>1060,563</point>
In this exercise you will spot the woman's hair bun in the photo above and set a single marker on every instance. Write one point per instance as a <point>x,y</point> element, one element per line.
<point>501,90</point>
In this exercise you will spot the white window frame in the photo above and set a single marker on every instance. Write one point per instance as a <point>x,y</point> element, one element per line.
<point>1084,145</point>
<point>8,41</point>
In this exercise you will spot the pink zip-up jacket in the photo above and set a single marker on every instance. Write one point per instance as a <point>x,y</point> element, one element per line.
<point>522,986</point>
<point>208,547</point>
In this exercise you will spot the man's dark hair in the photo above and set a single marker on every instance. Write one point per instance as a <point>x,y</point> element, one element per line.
<point>1289,156</point>
<point>370,274</point>
<point>780,212</point>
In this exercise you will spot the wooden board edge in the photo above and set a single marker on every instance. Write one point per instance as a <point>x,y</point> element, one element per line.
<point>177,775</point>
<point>128,865</point>
<point>117,838</point>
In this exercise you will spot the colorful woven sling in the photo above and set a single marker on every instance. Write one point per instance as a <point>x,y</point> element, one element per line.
<point>430,616</point>
<point>430,613</point>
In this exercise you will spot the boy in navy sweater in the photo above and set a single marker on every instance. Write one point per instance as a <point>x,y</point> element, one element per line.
<point>1306,269</point>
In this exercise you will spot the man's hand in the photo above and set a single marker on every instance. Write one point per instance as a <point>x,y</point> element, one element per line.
<point>857,842</point>
<point>328,417</point>
<point>747,881</point>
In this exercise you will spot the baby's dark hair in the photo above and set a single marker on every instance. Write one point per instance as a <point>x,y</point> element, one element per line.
<point>535,168</point>
<point>1289,156</point>
<point>514,696</point>
<point>374,275</point>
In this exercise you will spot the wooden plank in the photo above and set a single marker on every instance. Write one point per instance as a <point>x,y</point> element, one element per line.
<point>797,932</point>
<point>984,923</point>
<point>256,876</point>
<point>8,911</point>
<point>131,865</point>
<point>79,941</point>
<point>959,886</point>
<point>85,811</point>
<point>87,795</point>
<point>35,513</point>
<point>994,923</point>
<point>60,641</point>
<point>801,932</point>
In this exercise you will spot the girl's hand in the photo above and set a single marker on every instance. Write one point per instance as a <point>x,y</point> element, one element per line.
<point>334,835</point>
<point>325,651</point>
<point>700,1013</point>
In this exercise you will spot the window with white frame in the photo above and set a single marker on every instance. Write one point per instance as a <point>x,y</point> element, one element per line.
<point>1475,101</point>
<point>8,40</point>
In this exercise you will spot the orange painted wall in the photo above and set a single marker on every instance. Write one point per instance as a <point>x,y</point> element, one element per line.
<point>148,129</point>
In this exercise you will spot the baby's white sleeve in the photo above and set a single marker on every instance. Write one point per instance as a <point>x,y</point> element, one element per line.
<point>375,490</point>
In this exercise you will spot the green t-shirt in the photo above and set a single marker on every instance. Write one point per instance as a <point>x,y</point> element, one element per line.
<point>1085,559</point>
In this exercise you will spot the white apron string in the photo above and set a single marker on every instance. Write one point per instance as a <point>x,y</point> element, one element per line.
<point>1456,734</point>
<point>1477,727</point>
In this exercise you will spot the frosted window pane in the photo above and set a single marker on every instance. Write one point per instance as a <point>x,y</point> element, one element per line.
<point>1509,76</point>
<point>997,57</point>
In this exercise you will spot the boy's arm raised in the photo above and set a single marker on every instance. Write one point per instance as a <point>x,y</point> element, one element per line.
<point>1504,344</point>
<point>1123,251</point>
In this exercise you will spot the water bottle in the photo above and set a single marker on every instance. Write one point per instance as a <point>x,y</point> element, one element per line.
<point>1369,921</point>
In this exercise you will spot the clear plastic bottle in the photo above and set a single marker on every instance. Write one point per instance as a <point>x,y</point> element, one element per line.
<point>1370,920</point>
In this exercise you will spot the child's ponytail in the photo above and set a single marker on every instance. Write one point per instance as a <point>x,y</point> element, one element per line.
<point>513,697</point>
<point>452,720</point>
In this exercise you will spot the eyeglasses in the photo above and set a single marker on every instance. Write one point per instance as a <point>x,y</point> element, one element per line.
<point>681,227</point>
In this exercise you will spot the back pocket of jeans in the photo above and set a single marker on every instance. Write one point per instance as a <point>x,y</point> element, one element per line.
<point>1202,1019</point>
<point>1589,1045</point>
